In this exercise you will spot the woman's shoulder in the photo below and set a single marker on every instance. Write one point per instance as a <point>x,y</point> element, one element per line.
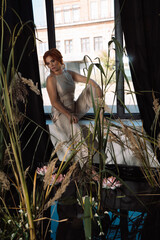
<point>50,79</point>
<point>72,73</point>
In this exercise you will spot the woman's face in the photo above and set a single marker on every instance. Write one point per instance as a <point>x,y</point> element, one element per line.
<point>53,65</point>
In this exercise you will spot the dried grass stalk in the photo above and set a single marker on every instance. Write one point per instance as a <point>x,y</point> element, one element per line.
<point>155,103</point>
<point>102,104</point>
<point>58,147</point>
<point>21,80</point>
<point>31,85</point>
<point>26,172</point>
<point>115,138</point>
<point>48,175</point>
<point>7,155</point>
<point>135,143</point>
<point>4,181</point>
<point>158,141</point>
<point>63,186</point>
<point>18,89</point>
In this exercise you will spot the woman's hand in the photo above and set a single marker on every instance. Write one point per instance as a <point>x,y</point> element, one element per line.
<point>73,118</point>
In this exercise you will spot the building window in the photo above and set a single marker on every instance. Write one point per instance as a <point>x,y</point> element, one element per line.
<point>112,8</point>
<point>67,14</point>
<point>98,43</point>
<point>76,12</point>
<point>68,46</point>
<point>93,10</point>
<point>43,47</point>
<point>58,16</point>
<point>104,8</point>
<point>58,45</point>
<point>84,44</point>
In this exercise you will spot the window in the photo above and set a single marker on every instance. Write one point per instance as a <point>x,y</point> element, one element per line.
<point>39,13</point>
<point>58,45</point>
<point>43,47</point>
<point>88,39</point>
<point>112,8</point>
<point>84,44</point>
<point>76,12</point>
<point>98,43</point>
<point>94,10</point>
<point>58,15</point>
<point>104,7</point>
<point>68,46</point>
<point>67,14</point>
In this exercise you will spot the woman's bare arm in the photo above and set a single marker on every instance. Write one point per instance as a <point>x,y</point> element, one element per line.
<point>79,78</point>
<point>52,92</point>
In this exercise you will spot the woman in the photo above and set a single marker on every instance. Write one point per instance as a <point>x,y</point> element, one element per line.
<point>67,112</point>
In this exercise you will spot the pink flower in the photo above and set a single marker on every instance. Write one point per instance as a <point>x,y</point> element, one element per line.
<point>42,171</point>
<point>59,179</point>
<point>111,183</point>
<point>95,175</point>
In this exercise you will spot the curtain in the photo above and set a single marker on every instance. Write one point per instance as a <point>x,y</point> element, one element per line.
<point>35,142</point>
<point>140,21</point>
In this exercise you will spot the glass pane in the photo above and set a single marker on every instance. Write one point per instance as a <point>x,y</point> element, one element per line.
<point>98,43</point>
<point>39,11</point>
<point>68,46</point>
<point>82,29</point>
<point>58,15</point>
<point>67,14</point>
<point>93,10</point>
<point>76,13</point>
<point>104,8</point>
<point>85,46</point>
<point>129,92</point>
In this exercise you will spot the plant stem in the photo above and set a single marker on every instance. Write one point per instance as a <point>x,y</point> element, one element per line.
<point>25,192</point>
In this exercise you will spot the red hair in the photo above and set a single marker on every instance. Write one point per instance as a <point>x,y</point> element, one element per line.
<point>55,54</point>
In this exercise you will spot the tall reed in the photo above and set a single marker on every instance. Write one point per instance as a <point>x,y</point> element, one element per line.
<point>110,133</point>
<point>8,127</point>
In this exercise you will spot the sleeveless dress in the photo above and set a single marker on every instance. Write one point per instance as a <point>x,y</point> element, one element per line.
<point>62,130</point>
<point>70,135</point>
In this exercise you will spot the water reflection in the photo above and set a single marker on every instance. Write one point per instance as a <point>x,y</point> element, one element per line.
<point>131,212</point>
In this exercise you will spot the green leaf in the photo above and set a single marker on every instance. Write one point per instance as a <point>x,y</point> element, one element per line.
<point>87,218</point>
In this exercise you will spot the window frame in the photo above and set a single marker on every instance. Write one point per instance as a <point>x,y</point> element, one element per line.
<point>58,16</point>
<point>85,44</point>
<point>67,14</point>
<point>75,12</point>
<point>98,43</point>
<point>119,76</point>
<point>68,46</point>
<point>104,14</point>
<point>119,36</point>
<point>93,16</point>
